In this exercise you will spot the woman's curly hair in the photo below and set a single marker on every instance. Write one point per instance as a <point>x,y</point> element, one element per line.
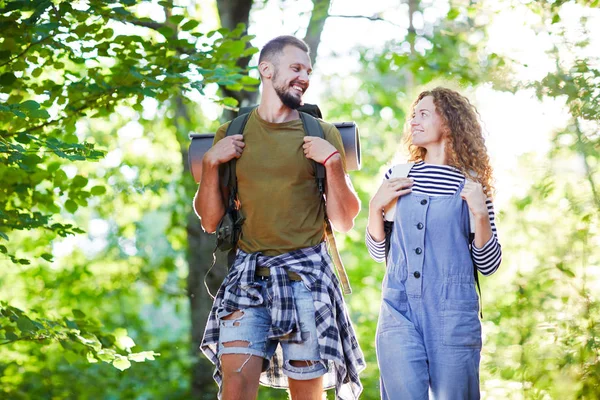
<point>465,146</point>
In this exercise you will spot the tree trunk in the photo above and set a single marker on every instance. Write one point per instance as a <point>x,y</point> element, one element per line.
<point>319,14</point>
<point>231,14</point>
<point>200,259</point>
<point>201,244</point>
<point>413,7</point>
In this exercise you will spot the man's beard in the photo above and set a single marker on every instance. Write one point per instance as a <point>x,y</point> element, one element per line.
<point>288,99</point>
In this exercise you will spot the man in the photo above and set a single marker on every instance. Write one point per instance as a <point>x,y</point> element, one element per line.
<point>279,315</point>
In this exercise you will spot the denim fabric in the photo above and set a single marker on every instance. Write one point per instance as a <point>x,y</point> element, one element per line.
<point>253,326</point>
<point>429,334</point>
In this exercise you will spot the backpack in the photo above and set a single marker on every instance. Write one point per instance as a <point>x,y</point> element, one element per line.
<point>230,226</point>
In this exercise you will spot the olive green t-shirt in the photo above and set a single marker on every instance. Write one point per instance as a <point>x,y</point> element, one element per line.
<point>277,188</point>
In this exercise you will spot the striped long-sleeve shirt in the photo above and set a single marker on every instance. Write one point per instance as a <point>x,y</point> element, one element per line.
<point>437,180</point>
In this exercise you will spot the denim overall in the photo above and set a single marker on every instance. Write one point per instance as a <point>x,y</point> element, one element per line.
<point>429,333</point>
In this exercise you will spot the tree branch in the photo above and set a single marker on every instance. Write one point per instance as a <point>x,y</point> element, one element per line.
<point>371,18</point>
<point>146,24</point>
<point>55,121</point>
<point>26,50</point>
<point>588,170</point>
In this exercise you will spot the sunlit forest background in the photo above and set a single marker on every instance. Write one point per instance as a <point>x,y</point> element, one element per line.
<point>102,261</point>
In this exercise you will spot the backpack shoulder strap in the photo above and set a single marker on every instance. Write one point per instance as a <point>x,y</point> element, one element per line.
<point>312,127</point>
<point>236,127</point>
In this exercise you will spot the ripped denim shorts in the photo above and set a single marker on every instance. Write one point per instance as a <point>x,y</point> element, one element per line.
<point>253,327</point>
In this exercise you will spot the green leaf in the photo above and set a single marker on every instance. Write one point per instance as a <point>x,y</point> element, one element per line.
<point>166,31</point>
<point>565,270</point>
<point>230,101</point>
<point>191,24</point>
<point>148,92</point>
<point>121,363</point>
<point>7,79</point>
<point>3,235</point>
<point>29,105</point>
<point>47,257</point>
<point>78,314</point>
<point>79,181</point>
<point>453,13</point>
<point>142,356</point>
<point>25,324</point>
<point>71,324</point>
<point>90,357</point>
<point>98,190</point>
<point>40,114</point>
<point>19,113</point>
<point>106,355</point>
<point>176,19</point>
<point>71,206</point>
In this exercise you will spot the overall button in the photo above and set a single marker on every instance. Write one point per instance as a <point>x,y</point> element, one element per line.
<point>418,250</point>
<point>423,202</point>
<point>417,274</point>
<point>419,226</point>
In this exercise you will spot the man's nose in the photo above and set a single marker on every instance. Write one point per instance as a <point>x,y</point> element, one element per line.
<point>304,77</point>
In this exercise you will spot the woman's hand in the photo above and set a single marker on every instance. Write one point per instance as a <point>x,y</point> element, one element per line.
<point>389,191</point>
<point>473,194</point>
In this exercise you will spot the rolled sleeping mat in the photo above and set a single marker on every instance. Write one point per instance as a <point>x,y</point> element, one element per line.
<point>201,142</point>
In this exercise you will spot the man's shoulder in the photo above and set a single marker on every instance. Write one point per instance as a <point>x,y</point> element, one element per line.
<point>326,125</point>
<point>329,129</point>
<point>221,131</point>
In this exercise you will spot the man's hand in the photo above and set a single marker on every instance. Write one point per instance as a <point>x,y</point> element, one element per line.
<point>318,149</point>
<point>226,149</point>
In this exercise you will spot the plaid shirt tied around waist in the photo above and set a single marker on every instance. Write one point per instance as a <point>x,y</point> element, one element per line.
<point>337,341</point>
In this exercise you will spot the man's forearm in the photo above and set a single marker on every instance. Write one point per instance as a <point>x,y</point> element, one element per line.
<point>342,203</point>
<point>208,202</point>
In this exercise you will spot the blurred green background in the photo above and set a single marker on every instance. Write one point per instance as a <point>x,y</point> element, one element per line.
<point>102,260</point>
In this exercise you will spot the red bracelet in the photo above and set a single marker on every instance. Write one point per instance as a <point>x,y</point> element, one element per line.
<point>331,155</point>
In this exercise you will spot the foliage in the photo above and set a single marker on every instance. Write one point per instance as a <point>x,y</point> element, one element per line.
<point>59,64</point>
<point>66,68</point>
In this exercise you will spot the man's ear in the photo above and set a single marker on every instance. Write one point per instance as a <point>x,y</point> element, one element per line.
<point>265,68</point>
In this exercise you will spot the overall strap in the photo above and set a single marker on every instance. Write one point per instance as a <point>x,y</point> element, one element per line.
<point>312,127</point>
<point>398,171</point>
<point>471,239</point>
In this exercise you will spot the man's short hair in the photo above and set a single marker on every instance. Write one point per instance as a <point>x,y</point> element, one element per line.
<point>274,47</point>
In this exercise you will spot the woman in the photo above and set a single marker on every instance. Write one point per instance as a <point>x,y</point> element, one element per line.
<point>429,333</point>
